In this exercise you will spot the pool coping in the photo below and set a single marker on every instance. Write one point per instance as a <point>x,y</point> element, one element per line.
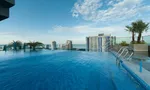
<point>133,74</point>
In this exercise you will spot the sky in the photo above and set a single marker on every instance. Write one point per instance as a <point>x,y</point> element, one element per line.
<point>61,20</point>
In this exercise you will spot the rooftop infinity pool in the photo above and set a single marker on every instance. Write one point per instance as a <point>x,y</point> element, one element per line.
<point>63,70</point>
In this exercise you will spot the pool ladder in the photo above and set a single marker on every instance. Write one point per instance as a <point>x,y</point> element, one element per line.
<point>106,46</point>
<point>127,51</point>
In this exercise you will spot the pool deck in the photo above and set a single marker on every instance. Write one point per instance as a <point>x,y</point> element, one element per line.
<point>144,75</point>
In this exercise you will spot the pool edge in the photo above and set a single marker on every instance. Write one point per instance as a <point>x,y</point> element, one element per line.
<point>135,76</point>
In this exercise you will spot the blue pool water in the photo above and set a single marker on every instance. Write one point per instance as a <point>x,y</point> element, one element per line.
<point>63,70</point>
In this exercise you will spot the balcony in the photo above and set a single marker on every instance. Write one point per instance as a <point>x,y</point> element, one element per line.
<point>4,13</point>
<point>5,5</point>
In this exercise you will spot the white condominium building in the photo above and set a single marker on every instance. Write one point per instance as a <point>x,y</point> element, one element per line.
<point>99,43</point>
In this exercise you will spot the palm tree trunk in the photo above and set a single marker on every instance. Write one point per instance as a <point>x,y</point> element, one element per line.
<point>139,37</point>
<point>133,37</point>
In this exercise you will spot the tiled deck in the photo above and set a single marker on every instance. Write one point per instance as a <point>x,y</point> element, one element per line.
<point>144,75</point>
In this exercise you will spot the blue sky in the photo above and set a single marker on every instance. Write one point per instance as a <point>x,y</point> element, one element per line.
<point>59,20</point>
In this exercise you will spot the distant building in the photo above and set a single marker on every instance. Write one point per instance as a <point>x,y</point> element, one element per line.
<point>5,5</point>
<point>63,46</point>
<point>54,45</point>
<point>47,46</point>
<point>69,45</point>
<point>1,47</point>
<point>59,46</point>
<point>99,43</point>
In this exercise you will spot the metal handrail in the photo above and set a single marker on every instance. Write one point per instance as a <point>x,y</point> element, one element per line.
<point>130,56</point>
<point>126,51</point>
<point>106,45</point>
<point>120,49</point>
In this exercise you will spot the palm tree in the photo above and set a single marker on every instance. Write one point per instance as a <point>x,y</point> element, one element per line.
<point>130,29</point>
<point>15,45</point>
<point>140,27</point>
<point>24,46</point>
<point>5,48</point>
<point>34,44</point>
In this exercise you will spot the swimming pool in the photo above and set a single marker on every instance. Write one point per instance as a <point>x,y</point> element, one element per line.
<point>63,70</point>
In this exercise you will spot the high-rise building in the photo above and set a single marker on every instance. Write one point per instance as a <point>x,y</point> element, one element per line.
<point>61,46</point>
<point>99,43</point>
<point>1,47</point>
<point>54,45</point>
<point>47,46</point>
<point>69,45</point>
<point>5,5</point>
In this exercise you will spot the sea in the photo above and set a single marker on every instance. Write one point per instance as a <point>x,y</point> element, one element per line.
<point>79,46</point>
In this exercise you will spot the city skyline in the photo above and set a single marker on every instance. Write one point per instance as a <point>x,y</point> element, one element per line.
<point>56,20</point>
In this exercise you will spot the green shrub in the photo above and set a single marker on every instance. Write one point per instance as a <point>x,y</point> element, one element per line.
<point>124,43</point>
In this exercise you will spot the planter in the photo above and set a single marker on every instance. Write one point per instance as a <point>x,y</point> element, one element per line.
<point>140,49</point>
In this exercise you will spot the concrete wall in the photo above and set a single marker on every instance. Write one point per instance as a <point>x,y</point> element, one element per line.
<point>140,49</point>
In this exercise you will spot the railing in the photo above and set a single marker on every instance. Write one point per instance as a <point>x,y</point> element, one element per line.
<point>129,39</point>
<point>127,51</point>
<point>106,46</point>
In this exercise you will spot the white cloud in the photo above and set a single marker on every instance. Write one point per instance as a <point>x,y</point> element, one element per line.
<point>78,33</point>
<point>84,30</point>
<point>110,3</point>
<point>61,33</point>
<point>6,33</point>
<point>7,38</point>
<point>92,10</point>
